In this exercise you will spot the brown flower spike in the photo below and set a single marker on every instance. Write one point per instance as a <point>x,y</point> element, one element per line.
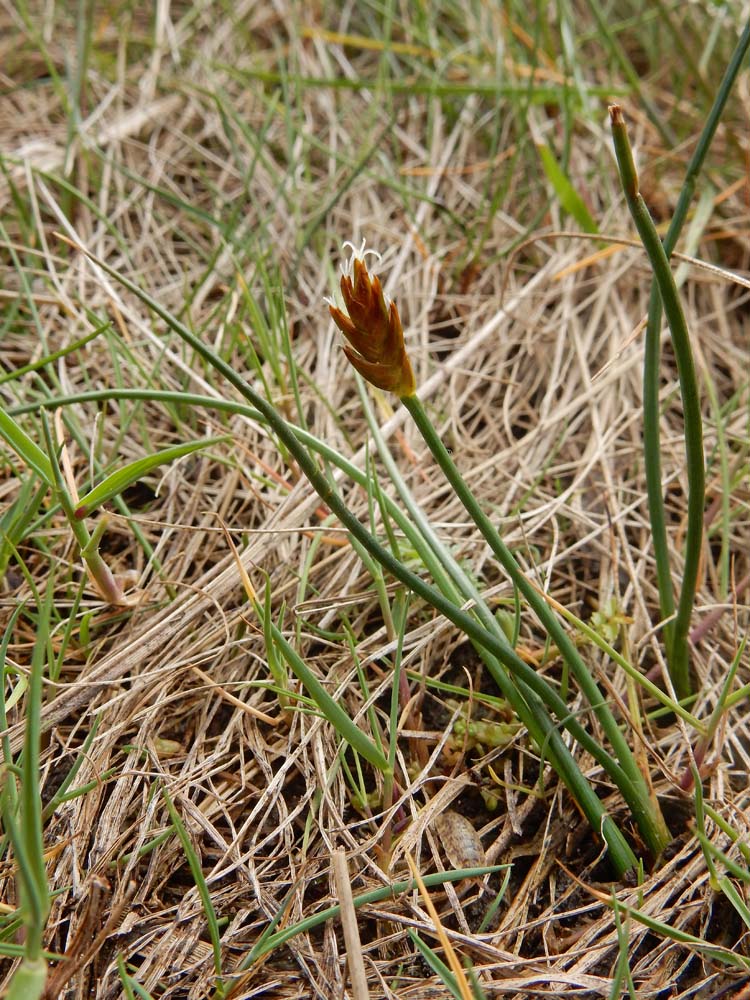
<point>373,328</point>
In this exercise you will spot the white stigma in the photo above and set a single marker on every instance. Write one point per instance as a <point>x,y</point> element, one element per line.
<point>358,253</point>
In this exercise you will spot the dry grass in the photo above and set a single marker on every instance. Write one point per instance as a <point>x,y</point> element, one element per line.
<point>538,394</point>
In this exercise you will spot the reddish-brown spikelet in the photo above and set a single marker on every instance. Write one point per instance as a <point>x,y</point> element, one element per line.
<point>373,329</point>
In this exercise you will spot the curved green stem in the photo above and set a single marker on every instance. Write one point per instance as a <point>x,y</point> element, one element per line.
<point>677,648</point>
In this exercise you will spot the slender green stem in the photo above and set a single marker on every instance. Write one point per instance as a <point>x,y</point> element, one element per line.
<point>60,794</point>
<point>652,461</point>
<point>632,784</point>
<point>652,348</point>
<point>338,718</point>
<point>679,666</point>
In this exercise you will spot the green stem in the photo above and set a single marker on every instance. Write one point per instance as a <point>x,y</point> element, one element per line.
<point>456,584</point>
<point>652,349</point>
<point>652,462</point>
<point>271,939</point>
<point>677,649</point>
<point>631,782</point>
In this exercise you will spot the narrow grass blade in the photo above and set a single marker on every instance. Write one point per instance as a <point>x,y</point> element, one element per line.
<point>119,480</point>
<point>61,795</point>
<point>437,965</point>
<point>569,198</point>
<point>48,359</point>
<point>459,975</point>
<point>720,883</point>
<point>710,951</point>
<point>125,979</point>
<point>29,452</point>
<point>334,713</point>
<point>196,871</point>
<point>622,969</point>
<point>277,669</point>
<point>739,904</point>
<point>269,943</point>
<point>129,985</point>
<point>433,88</point>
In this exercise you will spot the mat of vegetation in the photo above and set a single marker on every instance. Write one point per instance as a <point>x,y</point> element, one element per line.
<point>415,668</point>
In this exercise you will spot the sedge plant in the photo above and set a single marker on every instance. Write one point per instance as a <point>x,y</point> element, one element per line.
<point>537,701</point>
<point>364,299</point>
<point>450,577</point>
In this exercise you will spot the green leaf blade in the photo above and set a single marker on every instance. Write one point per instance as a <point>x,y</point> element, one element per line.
<point>29,453</point>
<point>567,195</point>
<point>119,480</point>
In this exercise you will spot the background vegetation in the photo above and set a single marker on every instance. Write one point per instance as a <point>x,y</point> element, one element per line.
<point>174,795</point>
